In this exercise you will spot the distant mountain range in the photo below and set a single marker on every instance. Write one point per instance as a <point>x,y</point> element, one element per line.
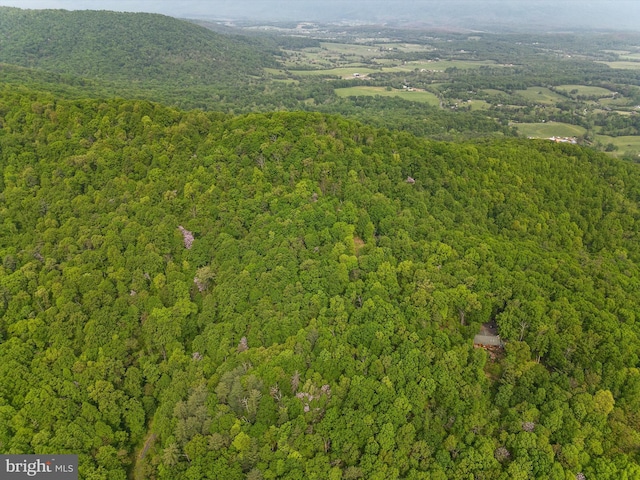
<point>538,15</point>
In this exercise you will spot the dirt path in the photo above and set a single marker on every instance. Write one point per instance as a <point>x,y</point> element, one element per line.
<point>147,444</point>
<point>138,472</point>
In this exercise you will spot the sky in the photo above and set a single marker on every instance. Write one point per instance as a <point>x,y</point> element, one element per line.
<point>534,14</point>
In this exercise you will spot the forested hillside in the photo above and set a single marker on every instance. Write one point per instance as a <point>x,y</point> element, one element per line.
<point>141,48</point>
<point>294,295</point>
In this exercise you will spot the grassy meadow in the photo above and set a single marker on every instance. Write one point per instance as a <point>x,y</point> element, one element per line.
<point>414,96</point>
<point>549,129</point>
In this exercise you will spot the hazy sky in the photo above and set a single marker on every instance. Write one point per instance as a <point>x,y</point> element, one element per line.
<point>620,14</point>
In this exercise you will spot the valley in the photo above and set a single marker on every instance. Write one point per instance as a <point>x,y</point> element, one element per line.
<point>502,75</point>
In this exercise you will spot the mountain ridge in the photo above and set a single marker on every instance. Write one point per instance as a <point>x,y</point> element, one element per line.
<point>137,47</point>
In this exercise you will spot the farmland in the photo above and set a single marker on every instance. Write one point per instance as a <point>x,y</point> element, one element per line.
<point>415,96</point>
<point>623,146</point>
<point>583,87</point>
<point>504,80</point>
<point>548,130</point>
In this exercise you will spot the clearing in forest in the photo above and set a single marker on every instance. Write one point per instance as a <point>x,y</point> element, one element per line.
<point>414,96</point>
<point>549,129</point>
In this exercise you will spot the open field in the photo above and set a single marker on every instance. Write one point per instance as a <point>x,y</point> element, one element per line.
<point>549,129</point>
<point>372,50</point>
<point>404,47</point>
<point>493,91</point>
<point>348,49</point>
<point>624,113</point>
<point>627,145</point>
<point>634,57</point>
<point>444,64</point>
<point>479,105</point>
<point>336,55</point>
<point>616,102</point>
<point>389,62</point>
<point>405,67</point>
<point>424,97</point>
<point>540,95</point>
<point>336,72</point>
<point>585,90</point>
<point>624,65</point>
<point>309,60</point>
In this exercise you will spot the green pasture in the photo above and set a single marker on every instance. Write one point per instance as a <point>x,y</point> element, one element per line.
<point>628,65</point>
<point>404,47</point>
<point>493,91</point>
<point>386,62</point>
<point>627,145</point>
<point>444,64</point>
<point>540,95</point>
<point>346,48</point>
<point>336,72</point>
<point>625,113</point>
<point>424,97</point>
<point>585,90</point>
<point>549,129</point>
<point>343,71</point>
<point>616,102</point>
<point>372,50</point>
<point>331,55</point>
<point>479,105</point>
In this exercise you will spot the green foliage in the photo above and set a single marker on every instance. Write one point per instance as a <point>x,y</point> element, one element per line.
<point>138,47</point>
<point>320,322</point>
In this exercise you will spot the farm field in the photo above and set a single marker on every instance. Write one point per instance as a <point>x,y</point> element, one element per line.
<point>585,90</point>
<point>444,64</point>
<point>425,97</point>
<point>493,91</point>
<point>616,102</point>
<point>479,105</point>
<point>498,84</point>
<point>343,72</point>
<point>540,95</point>
<point>626,145</point>
<point>404,47</point>
<point>549,129</point>
<point>635,57</point>
<point>617,52</point>
<point>628,65</point>
<point>398,68</point>
<point>369,50</point>
<point>348,49</point>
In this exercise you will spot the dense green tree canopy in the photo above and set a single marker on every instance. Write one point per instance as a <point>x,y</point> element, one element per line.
<point>137,47</point>
<point>199,295</point>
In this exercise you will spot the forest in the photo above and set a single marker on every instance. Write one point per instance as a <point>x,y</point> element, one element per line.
<point>192,293</point>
